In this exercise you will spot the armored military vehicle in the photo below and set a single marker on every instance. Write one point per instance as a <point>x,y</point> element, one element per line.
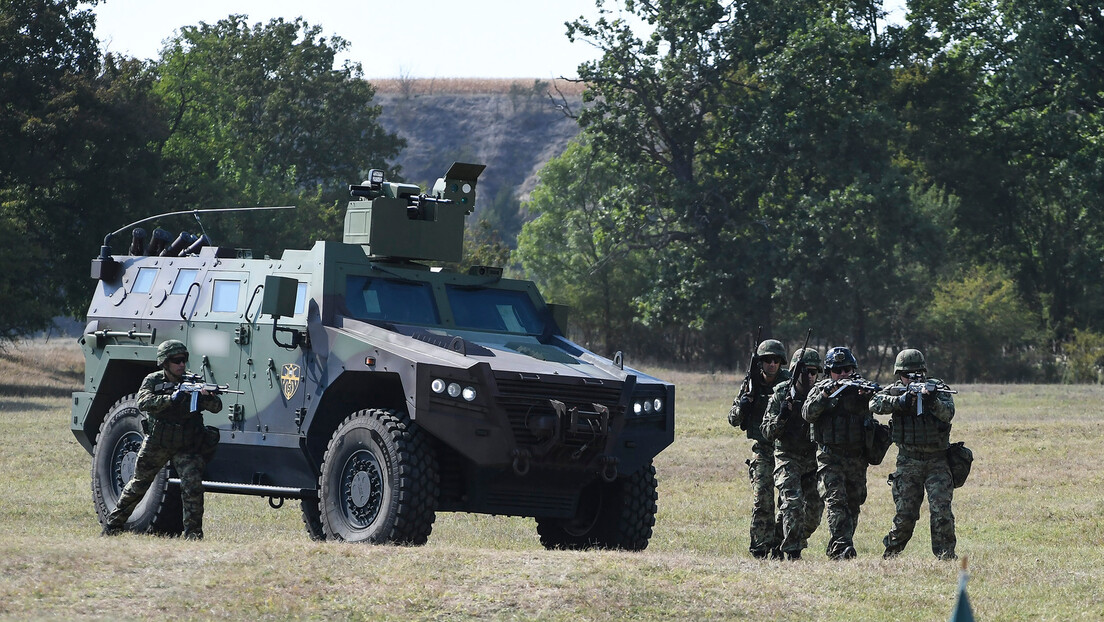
<point>376,390</point>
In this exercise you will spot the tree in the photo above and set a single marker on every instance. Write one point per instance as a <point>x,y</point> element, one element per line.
<point>259,115</point>
<point>76,133</point>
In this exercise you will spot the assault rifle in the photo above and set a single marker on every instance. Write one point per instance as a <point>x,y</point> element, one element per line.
<point>750,384</point>
<point>799,368</point>
<point>193,384</point>
<point>917,384</point>
<point>860,384</point>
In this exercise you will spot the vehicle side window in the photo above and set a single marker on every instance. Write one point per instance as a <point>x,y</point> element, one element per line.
<point>301,298</point>
<point>184,280</point>
<point>143,281</point>
<point>225,296</point>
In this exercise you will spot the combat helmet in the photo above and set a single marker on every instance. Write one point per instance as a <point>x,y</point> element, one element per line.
<point>807,356</point>
<point>169,348</point>
<point>840,357</point>
<point>771,347</point>
<point>909,361</point>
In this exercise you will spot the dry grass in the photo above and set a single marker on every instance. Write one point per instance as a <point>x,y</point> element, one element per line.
<point>469,86</point>
<point>1030,519</point>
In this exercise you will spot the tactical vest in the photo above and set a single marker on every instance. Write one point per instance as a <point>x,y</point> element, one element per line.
<point>753,416</point>
<point>922,431</point>
<point>795,436</point>
<point>843,424</point>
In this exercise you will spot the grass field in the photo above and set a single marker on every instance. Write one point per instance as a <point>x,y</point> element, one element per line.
<point>1031,520</point>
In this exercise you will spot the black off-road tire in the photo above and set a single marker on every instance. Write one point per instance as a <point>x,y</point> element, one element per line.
<point>312,518</point>
<point>379,481</point>
<point>113,458</point>
<point>611,515</point>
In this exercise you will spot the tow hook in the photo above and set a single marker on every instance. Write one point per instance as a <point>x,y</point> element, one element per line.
<point>521,462</point>
<point>609,468</point>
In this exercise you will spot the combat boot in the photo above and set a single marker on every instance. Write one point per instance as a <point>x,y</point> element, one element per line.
<point>793,555</point>
<point>110,530</point>
<point>193,535</point>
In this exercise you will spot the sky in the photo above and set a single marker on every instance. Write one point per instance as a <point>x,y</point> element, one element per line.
<point>399,38</point>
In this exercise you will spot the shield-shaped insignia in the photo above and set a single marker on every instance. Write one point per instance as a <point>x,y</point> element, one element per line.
<point>289,380</point>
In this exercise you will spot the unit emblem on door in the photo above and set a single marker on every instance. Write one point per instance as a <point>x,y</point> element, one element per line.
<point>289,380</point>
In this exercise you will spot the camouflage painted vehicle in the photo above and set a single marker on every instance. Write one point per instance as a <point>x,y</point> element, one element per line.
<point>376,390</point>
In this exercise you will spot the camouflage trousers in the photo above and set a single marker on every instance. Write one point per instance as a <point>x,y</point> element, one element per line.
<point>799,503</point>
<point>841,477</point>
<point>912,477</point>
<point>152,457</point>
<point>766,530</point>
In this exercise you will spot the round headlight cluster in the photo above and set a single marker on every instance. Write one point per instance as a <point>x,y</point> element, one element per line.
<point>648,406</point>
<point>453,389</point>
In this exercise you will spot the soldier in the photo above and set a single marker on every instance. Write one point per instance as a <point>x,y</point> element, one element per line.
<point>176,434</point>
<point>795,470</point>
<point>747,414</point>
<point>922,440</point>
<point>839,426</point>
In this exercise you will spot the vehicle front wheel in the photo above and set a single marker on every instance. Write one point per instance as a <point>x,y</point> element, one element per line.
<point>113,459</point>
<point>379,481</point>
<point>610,515</point>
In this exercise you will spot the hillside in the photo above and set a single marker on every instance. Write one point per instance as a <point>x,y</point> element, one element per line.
<point>512,126</point>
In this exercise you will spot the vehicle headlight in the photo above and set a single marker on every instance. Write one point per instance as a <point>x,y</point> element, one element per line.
<point>638,408</point>
<point>657,405</point>
<point>468,394</point>
<point>453,389</point>
<point>437,386</point>
<point>648,406</point>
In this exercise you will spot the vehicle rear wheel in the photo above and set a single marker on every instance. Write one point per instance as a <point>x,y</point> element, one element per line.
<point>610,515</point>
<point>379,481</point>
<point>113,460</point>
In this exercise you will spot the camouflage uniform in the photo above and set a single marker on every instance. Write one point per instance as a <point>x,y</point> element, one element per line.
<point>922,442</point>
<point>800,506</point>
<point>747,414</point>
<point>177,435</point>
<point>839,428</point>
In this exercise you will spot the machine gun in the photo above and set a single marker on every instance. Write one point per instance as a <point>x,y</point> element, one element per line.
<point>193,384</point>
<point>860,384</point>
<point>916,385</point>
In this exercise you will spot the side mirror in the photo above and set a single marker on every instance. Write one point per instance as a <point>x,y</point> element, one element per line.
<point>279,301</point>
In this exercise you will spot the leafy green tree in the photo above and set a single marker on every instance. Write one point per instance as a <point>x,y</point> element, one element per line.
<point>76,130</point>
<point>259,115</point>
<point>574,249</point>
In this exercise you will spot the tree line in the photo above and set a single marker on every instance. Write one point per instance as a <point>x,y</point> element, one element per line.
<point>789,164</point>
<point>931,184</point>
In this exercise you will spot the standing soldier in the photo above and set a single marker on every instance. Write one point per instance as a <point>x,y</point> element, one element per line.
<point>176,434</point>
<point>747,414</point>
<point>922,433</point>
<point>795,470</point>
<point>839,415</point>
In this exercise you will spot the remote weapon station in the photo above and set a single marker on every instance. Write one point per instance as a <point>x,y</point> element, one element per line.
<point>371,387</point>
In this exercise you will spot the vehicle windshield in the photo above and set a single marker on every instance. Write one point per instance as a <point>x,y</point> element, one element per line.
<point>402,302</point>
<point>501,310</point>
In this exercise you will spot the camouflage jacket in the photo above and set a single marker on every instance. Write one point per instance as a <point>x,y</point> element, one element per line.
<point>783,424</point>
<point>155,399</point>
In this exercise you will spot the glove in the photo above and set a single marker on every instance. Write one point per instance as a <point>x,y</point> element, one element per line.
<point>179,396</point>
<point>735,417</point>
<point>903,401</point>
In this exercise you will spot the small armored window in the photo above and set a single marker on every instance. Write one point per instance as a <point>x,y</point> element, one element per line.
<point>143,282</point>
<point>300,298</point>
<point>184,280</point>
<point>225,296</point>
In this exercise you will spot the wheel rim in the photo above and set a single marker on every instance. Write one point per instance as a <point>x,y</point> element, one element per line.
<point>124,460</point>
<point>362,488</point>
